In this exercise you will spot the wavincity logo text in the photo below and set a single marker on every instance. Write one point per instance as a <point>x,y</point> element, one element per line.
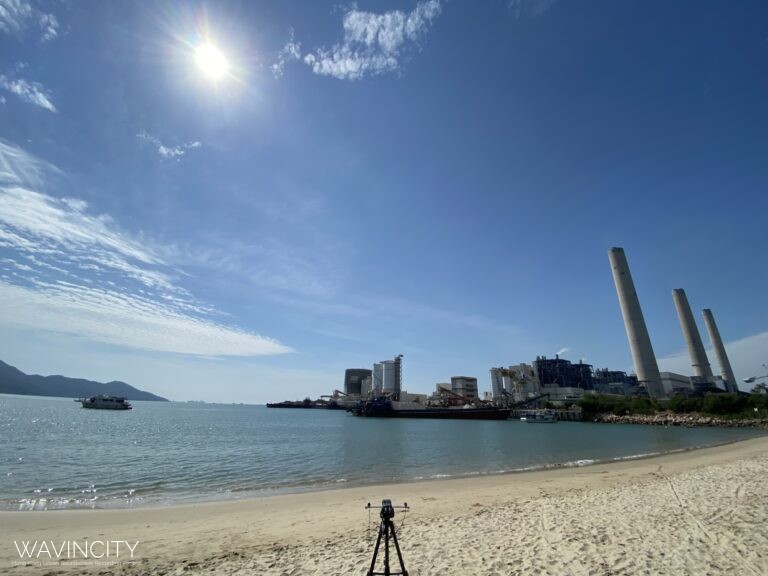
<point>71,549</point>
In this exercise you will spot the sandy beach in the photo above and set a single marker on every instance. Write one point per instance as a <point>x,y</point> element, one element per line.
<point>697,512</point>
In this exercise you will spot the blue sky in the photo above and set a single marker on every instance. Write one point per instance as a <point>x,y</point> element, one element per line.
<point>438,179</point>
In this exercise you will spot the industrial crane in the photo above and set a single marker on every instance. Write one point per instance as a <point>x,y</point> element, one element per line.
<point>455,395</point>
<point>336,394</point>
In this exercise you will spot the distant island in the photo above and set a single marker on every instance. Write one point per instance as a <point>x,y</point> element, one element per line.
<point>14,381</point>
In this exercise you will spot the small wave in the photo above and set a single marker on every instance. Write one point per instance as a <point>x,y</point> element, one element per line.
<point>639,456</point>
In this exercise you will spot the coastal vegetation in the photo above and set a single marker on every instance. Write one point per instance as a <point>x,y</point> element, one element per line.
<point>727,406</point>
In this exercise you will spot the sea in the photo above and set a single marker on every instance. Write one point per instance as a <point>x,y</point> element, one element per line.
<point>56,455</point>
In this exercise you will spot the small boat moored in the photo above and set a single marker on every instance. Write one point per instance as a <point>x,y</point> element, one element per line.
<point>545,417</point>
<point>103,402</point>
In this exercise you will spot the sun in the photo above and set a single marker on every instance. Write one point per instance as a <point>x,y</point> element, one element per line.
<point>211,61</point>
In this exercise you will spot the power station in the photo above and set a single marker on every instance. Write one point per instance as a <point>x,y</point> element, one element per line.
<point>662,384</point>
<point>558,380</point>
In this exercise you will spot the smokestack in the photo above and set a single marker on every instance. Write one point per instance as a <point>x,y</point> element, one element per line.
<point>696,351</point>
<point>722,358</point>
<point>639,342</point>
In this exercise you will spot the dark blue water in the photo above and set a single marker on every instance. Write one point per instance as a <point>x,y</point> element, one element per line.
<point>54,454</point>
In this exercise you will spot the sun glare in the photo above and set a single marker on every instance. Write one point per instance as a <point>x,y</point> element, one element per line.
<point>211,61</point>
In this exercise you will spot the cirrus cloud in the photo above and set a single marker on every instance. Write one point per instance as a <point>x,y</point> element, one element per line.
<point>76,272</point>
<point>168,152</point>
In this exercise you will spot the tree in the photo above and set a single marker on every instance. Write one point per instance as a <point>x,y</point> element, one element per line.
<point>761,388</point>
<point>724,404</point>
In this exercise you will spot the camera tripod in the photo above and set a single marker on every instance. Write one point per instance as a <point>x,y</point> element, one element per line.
<point>387,530</point>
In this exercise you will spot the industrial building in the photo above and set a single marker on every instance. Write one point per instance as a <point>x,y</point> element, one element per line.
<point>355,380</point>
<point>497,383</point>
<point>360,383</point>
<point>676,384</point>
<point>387,377</point>
<point>515,383</point>
<point>615,382</point>
<point>461,390</point>
<point>465,386</point>
<point>681,385</point>
<point>559,372</point>
<point>562,381</point>
<point>377,378</point>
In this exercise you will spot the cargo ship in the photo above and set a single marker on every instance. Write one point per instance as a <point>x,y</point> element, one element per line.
<point>386,408</point>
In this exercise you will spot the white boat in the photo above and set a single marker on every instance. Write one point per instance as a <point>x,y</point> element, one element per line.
<point>539,418</point>
<point>103,402</point>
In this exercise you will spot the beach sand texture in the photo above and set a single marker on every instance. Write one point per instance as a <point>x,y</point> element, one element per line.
<point>699,512</point>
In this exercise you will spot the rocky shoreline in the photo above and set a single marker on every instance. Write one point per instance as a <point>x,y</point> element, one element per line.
<point>687,420</point>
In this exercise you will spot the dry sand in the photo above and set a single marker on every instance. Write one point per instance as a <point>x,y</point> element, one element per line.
<point>699,512</point>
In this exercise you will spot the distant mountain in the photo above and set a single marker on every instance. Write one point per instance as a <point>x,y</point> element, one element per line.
<point>14,381</point>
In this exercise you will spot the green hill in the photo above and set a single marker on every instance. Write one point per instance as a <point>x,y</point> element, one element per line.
<point>14,381</point>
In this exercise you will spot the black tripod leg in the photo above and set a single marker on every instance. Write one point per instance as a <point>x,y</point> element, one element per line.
<point>399,554</point>
<point>375,552</point>
<point>386,549</point>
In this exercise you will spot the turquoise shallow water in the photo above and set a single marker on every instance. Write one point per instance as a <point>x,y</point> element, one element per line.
<point>54,454</point>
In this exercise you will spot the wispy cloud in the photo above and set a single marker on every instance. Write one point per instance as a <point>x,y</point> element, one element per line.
<point>31,92</point>
<point>76,272</point>
<point>168,152</point>
<point>62,227</point>
<point>373,43</point>
<point>290,52</point>
<point>411,309</point>
<point>530,8</point>
<point>17,16</point>
<point>126,320</point>
<point>273,266</point>
<point>385,308</point>
<point>293,248</point>
<point>19,167</point>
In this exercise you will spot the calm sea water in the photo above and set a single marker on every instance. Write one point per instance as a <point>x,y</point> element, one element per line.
<point>54,454</point>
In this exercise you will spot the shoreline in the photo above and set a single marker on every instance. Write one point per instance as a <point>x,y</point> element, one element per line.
<point>684,420</point>
<point>209,499</point>
<point>290,528</point>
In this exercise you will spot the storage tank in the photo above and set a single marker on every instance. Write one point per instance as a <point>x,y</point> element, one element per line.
<point>389,377</point>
